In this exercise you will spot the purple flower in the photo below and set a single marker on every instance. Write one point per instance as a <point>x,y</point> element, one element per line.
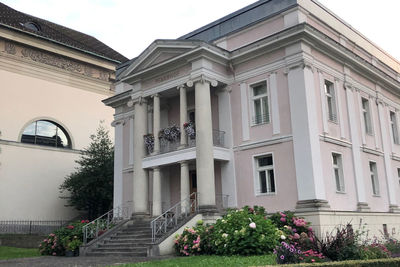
<point>282,257</point>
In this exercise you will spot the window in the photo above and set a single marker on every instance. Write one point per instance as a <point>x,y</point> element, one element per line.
<point>366,115</point>
<point>46,133</point>
<point>331,101</point>
<point>393,125</point>
<point>260,103</point>
<point>265,181</point>
<point>338,171</point>
<point>398,174</point>
<point>374,178</point>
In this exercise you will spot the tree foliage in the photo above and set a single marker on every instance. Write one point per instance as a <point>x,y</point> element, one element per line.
<point>90,187</point>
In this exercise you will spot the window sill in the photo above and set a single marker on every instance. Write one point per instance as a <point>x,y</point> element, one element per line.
<point>333,121</point>
<point>266,194</point>
<point>341,192</point>
<point>370,134</point>
<point>259,124</point>
<point>376,195</point>
<point>40,147</point>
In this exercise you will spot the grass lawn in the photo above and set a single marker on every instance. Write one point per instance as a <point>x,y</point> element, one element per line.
<point>12,253</point>
<point>200,261</point>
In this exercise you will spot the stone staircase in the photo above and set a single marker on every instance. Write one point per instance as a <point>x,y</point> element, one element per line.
<point>133,240</point>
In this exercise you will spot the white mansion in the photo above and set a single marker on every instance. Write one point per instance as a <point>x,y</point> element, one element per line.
<point>280,104</point>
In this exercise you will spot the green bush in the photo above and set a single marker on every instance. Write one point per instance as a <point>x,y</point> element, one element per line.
<point>394,262</point>
<point>66,237</point>
<point>393,245</point>
<point>194,241</point>
<point>244,232</point>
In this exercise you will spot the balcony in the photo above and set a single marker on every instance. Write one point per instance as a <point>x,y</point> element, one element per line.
<point>173,144</point>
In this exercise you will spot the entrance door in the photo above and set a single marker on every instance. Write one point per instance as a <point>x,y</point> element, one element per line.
<point>193,185</point>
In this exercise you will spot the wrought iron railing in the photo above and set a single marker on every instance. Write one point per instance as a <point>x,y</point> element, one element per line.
<point>171,217</point>
<point>30,226</point>
<point>102,224</point>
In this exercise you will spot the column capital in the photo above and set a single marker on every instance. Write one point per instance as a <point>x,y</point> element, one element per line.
<point>202,79</point>
<point>156,168</point>
<point>183,162</point>
<point>155,95</point>
<point>182,86</point>
<point>348,86</point>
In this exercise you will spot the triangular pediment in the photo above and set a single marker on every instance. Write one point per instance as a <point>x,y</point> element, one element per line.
<point>158,52</point>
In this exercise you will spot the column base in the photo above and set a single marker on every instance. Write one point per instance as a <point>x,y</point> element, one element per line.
<point>394,209</point>
<point>208,209</point>
<point>312,205</point>
<point>140,215</point>
<point>362,206</point>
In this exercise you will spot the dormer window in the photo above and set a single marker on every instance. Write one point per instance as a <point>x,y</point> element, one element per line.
<point>32,26</point>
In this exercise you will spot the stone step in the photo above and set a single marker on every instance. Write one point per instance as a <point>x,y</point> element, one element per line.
<point>122,237</point>
<point>121,245</point>
<point>133,235</point>
<point>124,254</point>
<point>128,241</point>
<point>112,249</point>
<point>148,230</point>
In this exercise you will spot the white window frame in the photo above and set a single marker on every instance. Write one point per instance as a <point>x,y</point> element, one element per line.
<point>266,114</point>
<point>366,114</point>
<point>394,127</point>
<point>398,174</point>
<point>331,105</point>
<point>339,181</point>
<point>256,174</point>
<point>374,178</point>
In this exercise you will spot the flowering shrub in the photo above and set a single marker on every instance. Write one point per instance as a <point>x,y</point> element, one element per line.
<point>287,253</point>
<point>295,230</point>
<point>56,243</point>
<point>194,241</point>
<point>190,129</point>
<point>149,142</point>
<point>244,232</point>
<point>393,246</point>
<point>375,250</point>
<point>171,133</point>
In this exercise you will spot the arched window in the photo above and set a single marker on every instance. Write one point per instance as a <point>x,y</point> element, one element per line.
<point>46,133</point>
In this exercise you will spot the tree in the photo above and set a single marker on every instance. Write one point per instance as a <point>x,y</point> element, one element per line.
<point>90,187</point>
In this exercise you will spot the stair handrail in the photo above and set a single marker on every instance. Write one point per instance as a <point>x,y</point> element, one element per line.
<point>171,216</point>
<point>106,221</point>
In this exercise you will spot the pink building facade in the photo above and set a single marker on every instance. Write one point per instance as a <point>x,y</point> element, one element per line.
<point>292,109</point>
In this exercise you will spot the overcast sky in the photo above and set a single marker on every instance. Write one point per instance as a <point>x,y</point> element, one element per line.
<point>129,26</point>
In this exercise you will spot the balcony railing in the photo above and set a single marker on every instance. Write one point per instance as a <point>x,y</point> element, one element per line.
<point>169,146</point>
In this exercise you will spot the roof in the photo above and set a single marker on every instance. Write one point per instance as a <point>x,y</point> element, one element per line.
<point>56,33</point>
<point>240,19</point>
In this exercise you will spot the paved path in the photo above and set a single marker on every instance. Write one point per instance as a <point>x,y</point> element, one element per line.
<point>50,261</point>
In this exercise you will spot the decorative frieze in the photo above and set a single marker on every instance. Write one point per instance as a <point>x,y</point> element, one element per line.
<point>54,60</point>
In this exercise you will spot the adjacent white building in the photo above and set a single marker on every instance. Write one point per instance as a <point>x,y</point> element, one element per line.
<point>52,82</point>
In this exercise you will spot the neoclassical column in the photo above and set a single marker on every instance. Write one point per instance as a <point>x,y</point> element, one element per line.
<point>306,143</point>
<point>157,208</point>
<point>383,115</point>
<point>156,123</point>
<point>204,145</point>
<point>140,180</point>
<point>185,186</point>
<point>118,166</point>
<point>183,114</point>
<point>355,147</point>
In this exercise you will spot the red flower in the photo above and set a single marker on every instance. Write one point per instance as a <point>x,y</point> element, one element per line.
<point>70,227</point>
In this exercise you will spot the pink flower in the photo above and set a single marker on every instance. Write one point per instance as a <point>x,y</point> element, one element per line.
<point>252,225</point>
<point>296,236</point>
<point>312,260</point>
<point>282,214</point>
<point>70,227</point>
<point>283,219</point>
<point>185,247</point>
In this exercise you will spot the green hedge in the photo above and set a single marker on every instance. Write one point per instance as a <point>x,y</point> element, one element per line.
<point>394,262</point>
